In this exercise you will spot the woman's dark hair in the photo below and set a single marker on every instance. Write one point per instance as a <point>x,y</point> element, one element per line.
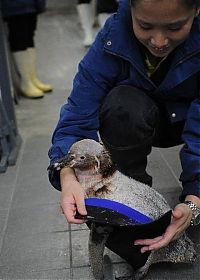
<point>189,3</point>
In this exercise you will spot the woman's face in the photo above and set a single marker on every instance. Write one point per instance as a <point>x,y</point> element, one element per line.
<point>162,25</point>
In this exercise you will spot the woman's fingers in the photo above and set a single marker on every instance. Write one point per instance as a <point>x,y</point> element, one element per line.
<point>69,210</point>
<point>181,217</point>
<point>147,241</point>
<point>80,204</point>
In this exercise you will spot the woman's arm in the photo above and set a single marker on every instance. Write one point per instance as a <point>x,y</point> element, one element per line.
<point>79,117</point>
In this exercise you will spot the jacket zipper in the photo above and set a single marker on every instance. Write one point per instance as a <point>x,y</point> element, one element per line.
<point>179,62</point>
<point>146,78</point>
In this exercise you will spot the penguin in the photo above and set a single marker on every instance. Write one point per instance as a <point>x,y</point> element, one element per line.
<point>121,210</point>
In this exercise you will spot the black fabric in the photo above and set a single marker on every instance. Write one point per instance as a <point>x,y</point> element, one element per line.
<point>107,6</point>
<point>158,76</point>
<point>127,126</point>
<point>83,2</point>
<point>21,30</point>
<point>128,117</point>
<point>40,6</point>
<point>121,239</point>
<point>54,178</point>
<point>167,135</point>
<point>131,123</point>
<point>103,6</point>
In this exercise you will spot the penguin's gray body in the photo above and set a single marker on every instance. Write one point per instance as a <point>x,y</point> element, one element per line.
<point>99,178</point>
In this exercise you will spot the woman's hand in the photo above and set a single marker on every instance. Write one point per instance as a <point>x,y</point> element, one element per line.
<point>181,217</point>
<point>72,196</point>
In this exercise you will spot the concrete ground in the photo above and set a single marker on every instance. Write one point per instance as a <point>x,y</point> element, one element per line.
<point>35,240</point>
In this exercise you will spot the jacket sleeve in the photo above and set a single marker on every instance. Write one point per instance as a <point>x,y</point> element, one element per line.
<point>190,153</point>
<point>79,117</point>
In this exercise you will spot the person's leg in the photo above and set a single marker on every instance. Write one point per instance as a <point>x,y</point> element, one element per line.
<point>105,8</point>
<point>127,127</point>
<point>130,124</point>
<point>166,134</point>
<point>32,54</point>
<point>84,9</point>
<point>20,40</point>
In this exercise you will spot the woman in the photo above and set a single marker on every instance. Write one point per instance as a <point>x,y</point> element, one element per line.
<point>139,86</point>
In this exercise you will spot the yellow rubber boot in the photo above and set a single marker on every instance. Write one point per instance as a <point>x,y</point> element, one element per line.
<point>27,88</point>
<point>33,73</point>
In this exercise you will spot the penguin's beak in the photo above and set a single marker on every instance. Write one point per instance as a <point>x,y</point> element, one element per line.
<point>67,161</point>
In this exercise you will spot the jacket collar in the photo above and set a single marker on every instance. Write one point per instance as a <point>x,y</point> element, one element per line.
<point>120,39</point>
<point>122,42</point>
<point>191,45</point>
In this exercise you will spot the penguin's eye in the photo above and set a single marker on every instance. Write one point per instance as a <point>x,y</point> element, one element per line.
<point>82,157</point>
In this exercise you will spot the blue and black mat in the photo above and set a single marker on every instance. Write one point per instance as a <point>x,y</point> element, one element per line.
<point>127,225</point>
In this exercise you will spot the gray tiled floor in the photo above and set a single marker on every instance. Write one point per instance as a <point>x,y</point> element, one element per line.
<point>35,240</point>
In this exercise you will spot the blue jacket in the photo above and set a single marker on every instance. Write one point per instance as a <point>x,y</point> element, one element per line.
<point>114,59</point>
<point>20,7</point>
